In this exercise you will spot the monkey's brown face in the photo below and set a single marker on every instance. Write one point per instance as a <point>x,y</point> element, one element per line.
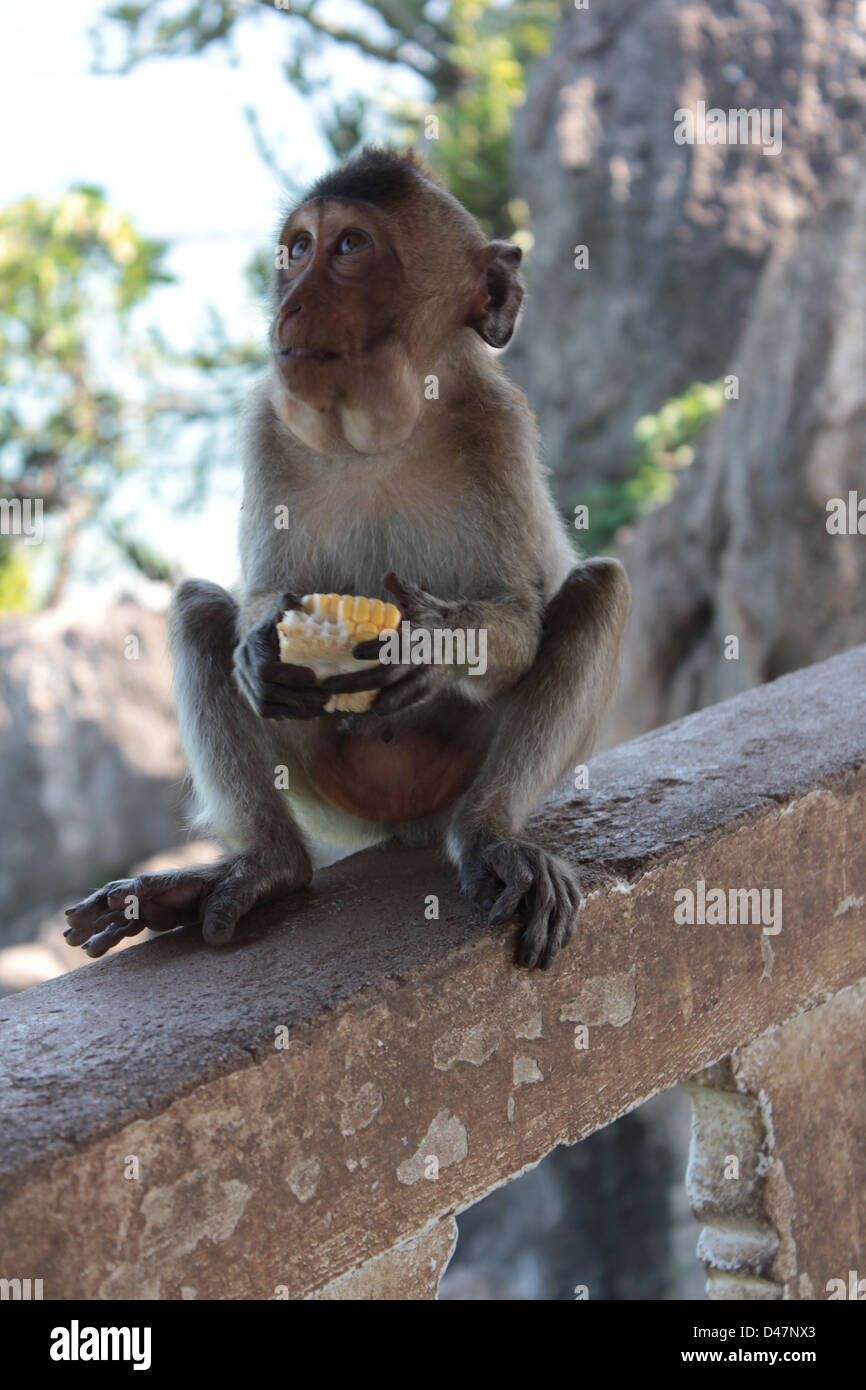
<point>342,366</point>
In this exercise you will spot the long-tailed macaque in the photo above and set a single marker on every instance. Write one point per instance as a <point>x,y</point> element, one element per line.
<point>407,466</point>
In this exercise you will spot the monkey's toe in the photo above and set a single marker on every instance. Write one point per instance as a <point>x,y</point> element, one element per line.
<point>125,907</point>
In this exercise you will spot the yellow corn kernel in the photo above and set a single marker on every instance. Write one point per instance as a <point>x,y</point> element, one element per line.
<point>313,640</point>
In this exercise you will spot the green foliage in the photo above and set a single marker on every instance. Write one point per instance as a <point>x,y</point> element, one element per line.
<point>492,47</point>
<point>15,588</point>
<point>470,55</point>
<point>665,445</point>
<point>63,265</point>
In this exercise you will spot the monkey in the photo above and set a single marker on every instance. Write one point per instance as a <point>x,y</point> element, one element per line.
<point>409,465</point>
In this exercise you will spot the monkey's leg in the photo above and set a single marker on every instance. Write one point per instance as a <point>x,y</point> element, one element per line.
<point>232,754</point>
<point>548,723</point>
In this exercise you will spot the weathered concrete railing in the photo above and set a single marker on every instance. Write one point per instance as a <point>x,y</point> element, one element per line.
<point>301,1113</point>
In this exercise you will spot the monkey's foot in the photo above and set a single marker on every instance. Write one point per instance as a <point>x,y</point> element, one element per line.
<point>514,878</point>
<point>214,895</point>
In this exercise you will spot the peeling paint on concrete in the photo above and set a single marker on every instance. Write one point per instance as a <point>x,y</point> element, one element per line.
<point>526,1071</point>
<point>304,1179</point>
<point>518,1016</point>
<point>768,956</point>
<point>446,1139</point>
<point>603,999</point>
<point>685,992</point>
<point>177,1217</point>
<point>474,1044</point>
<point>848,904</point>
<point>360,1109</point>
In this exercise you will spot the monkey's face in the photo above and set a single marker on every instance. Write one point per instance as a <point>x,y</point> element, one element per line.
<point>344,360</point>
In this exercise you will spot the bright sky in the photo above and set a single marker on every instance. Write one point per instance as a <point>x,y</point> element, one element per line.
<point>170,145</point>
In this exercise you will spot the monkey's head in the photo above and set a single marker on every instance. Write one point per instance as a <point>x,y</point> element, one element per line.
<point>380,272</point>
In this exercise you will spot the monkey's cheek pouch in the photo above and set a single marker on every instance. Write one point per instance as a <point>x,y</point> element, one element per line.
<point>323,633</point>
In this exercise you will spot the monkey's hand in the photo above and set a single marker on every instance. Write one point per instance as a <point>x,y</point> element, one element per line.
<point>514,878</point>
<point>274,688</point>
<point>400,685</point>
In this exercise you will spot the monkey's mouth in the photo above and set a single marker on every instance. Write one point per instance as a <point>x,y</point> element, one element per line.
<point>305,354</point>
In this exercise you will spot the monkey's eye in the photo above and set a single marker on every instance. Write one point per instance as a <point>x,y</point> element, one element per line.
<point>300,246</point>
<point>352,240</point>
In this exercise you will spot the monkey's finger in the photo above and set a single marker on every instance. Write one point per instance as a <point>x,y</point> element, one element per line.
<point>407,595</point>
<point>290,600</point>
<point>161,893</point>
<point>281,702</point>
<point>370,651</point>
<point>561,926</point>
<point>116,931</point>
<point>532,948</point>
<point>284,673</point>
<point>86,922</point>
<point>482,886</point>
<point>507,905</point>
<point>272,693</point>
<point>516,874</point>
<point>296,709</point>
<point>370,679</point>
<point>78,934</point>
<point>84,931</point>
<point>225,907</point>
<point>408,691</point>
<point>552,914</point>
<point>570,902</point>
<point>96,901</point>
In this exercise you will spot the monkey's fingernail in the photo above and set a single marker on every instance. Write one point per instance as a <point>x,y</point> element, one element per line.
<point>218,933</point>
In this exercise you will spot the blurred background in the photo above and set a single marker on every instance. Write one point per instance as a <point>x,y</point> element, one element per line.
<point>693,342</point>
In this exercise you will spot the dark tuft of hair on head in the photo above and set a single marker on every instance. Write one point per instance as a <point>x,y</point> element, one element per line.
<point>383,176</point>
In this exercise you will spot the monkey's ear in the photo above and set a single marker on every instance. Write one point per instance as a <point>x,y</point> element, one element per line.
<point>498,297</point>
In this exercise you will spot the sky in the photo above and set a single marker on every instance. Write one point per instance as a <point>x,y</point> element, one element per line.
<point>170,145</point>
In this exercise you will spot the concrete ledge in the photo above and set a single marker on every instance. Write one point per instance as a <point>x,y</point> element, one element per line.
<point>422,1068</point>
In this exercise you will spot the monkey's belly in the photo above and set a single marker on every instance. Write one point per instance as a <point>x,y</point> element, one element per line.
<point>404,780</point>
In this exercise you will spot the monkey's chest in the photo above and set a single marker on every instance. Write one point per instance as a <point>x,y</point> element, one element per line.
<point>397,780</point>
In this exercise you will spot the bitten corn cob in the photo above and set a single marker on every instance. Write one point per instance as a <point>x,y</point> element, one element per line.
<point>324,633</point>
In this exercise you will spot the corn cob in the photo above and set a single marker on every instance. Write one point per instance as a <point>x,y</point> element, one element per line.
<point>324,632</point>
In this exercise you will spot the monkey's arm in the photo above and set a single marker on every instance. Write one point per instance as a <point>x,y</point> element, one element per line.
<point>232,755</point>
<point>500,640</point>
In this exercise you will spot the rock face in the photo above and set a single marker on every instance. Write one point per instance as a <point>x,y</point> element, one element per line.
<point>677,233</point>
<point>91,759</point>
<point>743,549</point>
